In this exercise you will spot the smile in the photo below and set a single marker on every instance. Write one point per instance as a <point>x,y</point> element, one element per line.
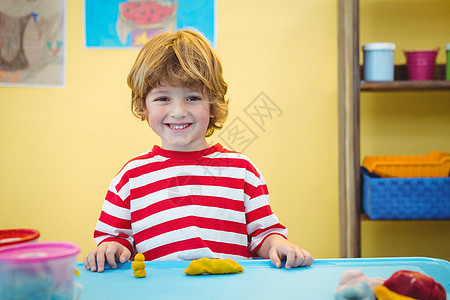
<point>178,126</point>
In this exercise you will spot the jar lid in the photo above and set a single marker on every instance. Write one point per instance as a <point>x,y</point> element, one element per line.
<point>447,47</point>
<point>379,46</point>
<point>38,252</point>
<point>17,236</point>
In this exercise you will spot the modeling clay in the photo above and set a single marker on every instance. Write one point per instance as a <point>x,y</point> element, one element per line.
<point>358,291</point>
<point>138,266</point>
<point>383,293</point>
<point>415,285</point>
<point>213,266</point>
<point>77,272</point>
<point>139,257</point>
<point>353,284</point>
<point>139,273</point>
<point>352,277</point>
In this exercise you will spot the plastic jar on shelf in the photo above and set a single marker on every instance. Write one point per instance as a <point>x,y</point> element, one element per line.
<point>379,61</point>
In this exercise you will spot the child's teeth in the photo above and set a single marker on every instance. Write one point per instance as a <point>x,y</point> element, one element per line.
<point>178,126</point>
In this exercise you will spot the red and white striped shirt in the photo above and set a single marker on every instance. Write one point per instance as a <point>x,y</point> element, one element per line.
<point>173,205</point>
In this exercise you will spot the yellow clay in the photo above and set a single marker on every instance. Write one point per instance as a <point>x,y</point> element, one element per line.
<point>139,273</point>
<point>77,272</point>
<point>138,265</point>
<point>139,257</point>
<point>213,266</point>
<point>383,293</point>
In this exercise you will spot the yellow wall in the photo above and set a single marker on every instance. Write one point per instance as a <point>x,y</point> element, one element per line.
<point>61,147</point>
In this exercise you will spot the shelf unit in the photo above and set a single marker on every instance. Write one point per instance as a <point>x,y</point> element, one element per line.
<point>401,82</point>
<point>350,84</point>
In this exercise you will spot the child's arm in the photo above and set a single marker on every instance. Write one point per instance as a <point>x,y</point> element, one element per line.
<point>111,251</point>
<point>275,247</point>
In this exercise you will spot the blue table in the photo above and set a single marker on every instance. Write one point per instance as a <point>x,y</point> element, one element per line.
<point>260,280</point>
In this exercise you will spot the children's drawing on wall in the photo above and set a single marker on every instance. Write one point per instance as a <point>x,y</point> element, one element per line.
<point>131,23</point>
<point>143,19</point>
<point>32,42</point>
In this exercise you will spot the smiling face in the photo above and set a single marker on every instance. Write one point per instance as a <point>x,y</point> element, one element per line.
<point>183,58</point>
<point>179,116</point>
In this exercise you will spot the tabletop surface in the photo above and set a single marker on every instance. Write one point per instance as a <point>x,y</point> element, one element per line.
<point>260,280</point>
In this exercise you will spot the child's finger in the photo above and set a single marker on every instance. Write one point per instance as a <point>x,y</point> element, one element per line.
<point>308,258</point>
<point>274,258</point>
<point>125,256</point>
<point>100,260</point>
<point>110,255</point>
<point>86,263</point>
<point>294,258</point>
<point>298,259</point>
<point>91,261</point>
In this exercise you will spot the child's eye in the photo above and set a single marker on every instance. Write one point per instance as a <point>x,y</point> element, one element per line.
<point>162,99</point>
<point>193,98</point>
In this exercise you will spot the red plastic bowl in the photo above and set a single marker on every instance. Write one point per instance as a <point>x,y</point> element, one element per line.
<point>17,236</point>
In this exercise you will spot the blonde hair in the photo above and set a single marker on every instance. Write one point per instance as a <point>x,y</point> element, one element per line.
<point>180,58</point>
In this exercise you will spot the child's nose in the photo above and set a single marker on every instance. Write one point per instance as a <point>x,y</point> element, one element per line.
<point>178,109</point>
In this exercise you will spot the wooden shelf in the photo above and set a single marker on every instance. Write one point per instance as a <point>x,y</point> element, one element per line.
<point>405,85</point>
<point>401,82</point>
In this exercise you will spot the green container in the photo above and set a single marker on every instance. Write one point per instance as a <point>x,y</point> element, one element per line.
<point>447,48</point>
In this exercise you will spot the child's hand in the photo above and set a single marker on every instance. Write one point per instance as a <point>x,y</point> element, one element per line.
<point>277,248</point>
<point>111,251</point>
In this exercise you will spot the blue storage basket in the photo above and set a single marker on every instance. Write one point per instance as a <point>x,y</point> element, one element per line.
<point>418,198</point>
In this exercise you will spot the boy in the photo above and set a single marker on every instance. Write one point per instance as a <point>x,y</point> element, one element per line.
<point>186,200</point>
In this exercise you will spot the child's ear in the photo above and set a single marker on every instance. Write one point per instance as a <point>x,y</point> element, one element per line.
<point>144,114</point>
<point>211,111</point>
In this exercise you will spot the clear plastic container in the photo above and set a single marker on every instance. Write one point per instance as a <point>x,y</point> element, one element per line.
<point>38,271</point>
